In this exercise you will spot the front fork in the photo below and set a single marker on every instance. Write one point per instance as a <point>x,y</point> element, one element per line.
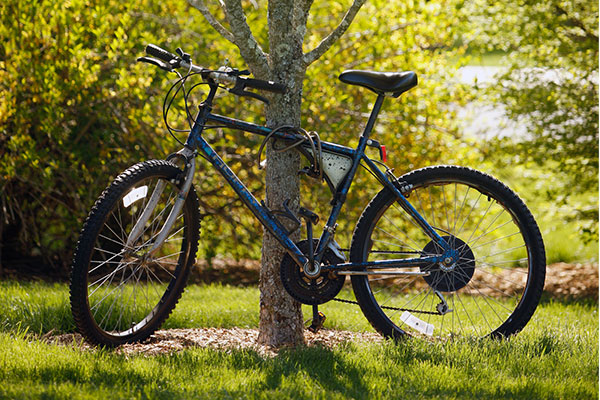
<point>188,156</point>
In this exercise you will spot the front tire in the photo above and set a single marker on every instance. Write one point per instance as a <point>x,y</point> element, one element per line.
<point>122,294</point>
<point>494,287</point>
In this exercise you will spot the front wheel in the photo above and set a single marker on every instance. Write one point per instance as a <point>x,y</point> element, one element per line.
<point>491,290</point>
<point>121,291</point>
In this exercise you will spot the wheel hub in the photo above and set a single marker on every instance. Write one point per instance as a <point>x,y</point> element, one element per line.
<point>457,268</point>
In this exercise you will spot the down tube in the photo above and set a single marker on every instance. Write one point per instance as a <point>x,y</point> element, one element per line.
<point>244,194</point>
<point>406,206</point>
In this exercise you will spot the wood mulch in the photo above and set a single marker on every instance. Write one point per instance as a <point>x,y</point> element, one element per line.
<point>572,280</point>
<point>175,340</point>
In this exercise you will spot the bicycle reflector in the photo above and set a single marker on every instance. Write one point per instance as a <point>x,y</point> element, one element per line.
<point>380,147</point>
<point>383,153</point>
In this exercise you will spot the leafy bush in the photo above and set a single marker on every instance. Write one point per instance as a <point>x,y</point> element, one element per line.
<point>551,86</point>
<point>75,110</point>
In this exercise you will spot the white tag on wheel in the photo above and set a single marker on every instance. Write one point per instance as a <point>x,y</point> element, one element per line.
<point>135,195</point>
<point>416,323</point>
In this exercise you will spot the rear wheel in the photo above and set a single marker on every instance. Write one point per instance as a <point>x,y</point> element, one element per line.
<point>494,285</point>
<point>122,293</point>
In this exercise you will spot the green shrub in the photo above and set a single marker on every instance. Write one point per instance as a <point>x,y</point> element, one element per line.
<point>75,110</point>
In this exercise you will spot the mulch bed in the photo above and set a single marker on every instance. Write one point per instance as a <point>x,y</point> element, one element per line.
<point>572,280</point>
<point>175,340</point>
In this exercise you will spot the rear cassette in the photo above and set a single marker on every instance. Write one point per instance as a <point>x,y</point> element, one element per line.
<point>311,291</point>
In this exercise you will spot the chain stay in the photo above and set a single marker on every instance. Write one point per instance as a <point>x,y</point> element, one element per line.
<point>388,307</point>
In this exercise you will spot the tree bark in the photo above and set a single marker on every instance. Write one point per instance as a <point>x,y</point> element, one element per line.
<point>281,321</point>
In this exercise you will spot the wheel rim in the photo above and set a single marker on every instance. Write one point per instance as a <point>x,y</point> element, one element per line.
<point>487,286</point>
<point>126,285</point>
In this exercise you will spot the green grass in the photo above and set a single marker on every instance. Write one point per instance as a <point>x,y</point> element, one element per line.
<point>556,356</point>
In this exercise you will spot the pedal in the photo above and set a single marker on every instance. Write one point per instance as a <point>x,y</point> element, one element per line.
<point>317,322</point>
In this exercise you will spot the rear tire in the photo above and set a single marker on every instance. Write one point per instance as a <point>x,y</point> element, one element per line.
<point>122,294</point>
<point>495,286</point>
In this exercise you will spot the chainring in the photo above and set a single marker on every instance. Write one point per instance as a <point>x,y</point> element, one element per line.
<point>311,291</point>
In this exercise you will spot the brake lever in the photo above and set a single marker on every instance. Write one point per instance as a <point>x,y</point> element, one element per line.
<point>238,90</point>
<point>246,93</point>
<point>155,61</point>
<point>184,56</point>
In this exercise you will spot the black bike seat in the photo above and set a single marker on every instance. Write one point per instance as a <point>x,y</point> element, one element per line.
<point>391,83</point>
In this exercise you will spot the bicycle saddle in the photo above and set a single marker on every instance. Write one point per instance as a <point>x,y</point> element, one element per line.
<point>394,83</point>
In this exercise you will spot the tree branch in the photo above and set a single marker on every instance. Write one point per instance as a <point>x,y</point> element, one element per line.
<point>303,6</point>
<point>577,22</point>
<point>326,43</point>
<point>200,6</point>
<point>244,40</point>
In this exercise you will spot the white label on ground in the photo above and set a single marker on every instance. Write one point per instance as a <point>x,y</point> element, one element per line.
<point>416,323</point>
<point>135,195</point>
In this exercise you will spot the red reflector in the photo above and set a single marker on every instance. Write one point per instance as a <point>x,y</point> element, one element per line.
<point>383,153</point>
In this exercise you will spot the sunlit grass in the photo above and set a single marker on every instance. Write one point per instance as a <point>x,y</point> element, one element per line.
<point>554,357</point>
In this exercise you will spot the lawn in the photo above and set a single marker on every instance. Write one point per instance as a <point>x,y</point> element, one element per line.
<point>555,357</point>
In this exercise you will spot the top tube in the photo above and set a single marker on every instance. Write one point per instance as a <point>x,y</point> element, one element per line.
<point>264,131</point>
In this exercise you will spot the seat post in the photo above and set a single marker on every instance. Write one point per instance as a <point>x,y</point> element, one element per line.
<point>373,117</point>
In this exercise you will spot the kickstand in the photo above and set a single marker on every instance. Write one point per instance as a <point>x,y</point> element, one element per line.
<point>317,321</point>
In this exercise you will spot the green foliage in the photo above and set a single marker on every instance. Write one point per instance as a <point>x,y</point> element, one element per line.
<point>551,85</point>
<point>71,101</point>
<point>75,109</point>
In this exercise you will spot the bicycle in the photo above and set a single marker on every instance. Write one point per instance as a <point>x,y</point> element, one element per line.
<point>464,253</point>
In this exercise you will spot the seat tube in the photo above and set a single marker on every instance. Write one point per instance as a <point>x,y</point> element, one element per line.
<point>340,196</point>
<point>372,118</point>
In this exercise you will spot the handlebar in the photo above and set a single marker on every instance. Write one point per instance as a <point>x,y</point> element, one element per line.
<point>226,75</point>
<point>160,53</point>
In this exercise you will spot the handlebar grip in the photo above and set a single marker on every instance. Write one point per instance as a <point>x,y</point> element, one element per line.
<point>162,54</point>
<point>264,85</point>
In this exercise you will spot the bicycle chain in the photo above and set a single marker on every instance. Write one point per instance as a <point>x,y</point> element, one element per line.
<point>388,307</point>
<point>392,308</point>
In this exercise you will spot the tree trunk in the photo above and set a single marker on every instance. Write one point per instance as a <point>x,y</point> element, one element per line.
<point>281,321</point>
<point>280,316</point>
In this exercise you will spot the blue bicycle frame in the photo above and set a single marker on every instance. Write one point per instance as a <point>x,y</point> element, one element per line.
<point>196,141</point>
